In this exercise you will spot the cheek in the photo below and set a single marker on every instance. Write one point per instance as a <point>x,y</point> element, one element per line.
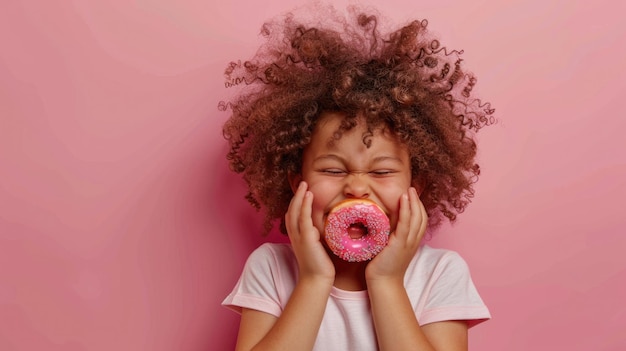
<point>393,220</point>
<point>317,213</point>
<point>393,208</point>
<point>323,194</point>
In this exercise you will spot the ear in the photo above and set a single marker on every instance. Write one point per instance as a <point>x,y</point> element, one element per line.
<point>294,181</point>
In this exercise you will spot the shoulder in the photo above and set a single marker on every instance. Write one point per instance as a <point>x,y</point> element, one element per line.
<point>272,253</point>
<point>437,260</point>
<point>270,266</point>
<point>266,278</point>
<point>435,269</point>
<point>271,259</point>
<point>443,288</point>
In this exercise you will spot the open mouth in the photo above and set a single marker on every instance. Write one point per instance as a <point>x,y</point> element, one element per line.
<point>357,230</point>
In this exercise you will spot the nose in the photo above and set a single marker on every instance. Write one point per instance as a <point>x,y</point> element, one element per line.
<point>357,186</point>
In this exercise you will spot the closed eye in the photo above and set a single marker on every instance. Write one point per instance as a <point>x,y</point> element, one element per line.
<point>333,171</point>
<point>382,172</point>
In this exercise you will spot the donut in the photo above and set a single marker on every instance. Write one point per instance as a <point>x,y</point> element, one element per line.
<point>356,230</point>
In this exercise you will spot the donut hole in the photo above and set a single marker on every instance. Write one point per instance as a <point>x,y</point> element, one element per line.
<point>357,230</point>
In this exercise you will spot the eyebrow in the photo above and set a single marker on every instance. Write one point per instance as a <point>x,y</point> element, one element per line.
<point>327,156</point>
<point>375,160</point>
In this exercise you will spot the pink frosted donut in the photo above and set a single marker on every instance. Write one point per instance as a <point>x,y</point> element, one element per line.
<point>356,230</point>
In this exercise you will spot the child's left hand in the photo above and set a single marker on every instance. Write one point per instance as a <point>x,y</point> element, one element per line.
<point>393,260</point>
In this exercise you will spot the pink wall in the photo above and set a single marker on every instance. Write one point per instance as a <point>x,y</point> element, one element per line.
<point>121,228</point>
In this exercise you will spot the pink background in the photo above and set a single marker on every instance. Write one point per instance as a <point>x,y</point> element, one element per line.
<point>122,229</point>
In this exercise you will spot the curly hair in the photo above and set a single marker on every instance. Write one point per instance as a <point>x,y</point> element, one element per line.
<point>404,81</point>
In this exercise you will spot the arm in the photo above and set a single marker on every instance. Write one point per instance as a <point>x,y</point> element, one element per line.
<point>298,325</point>
<point>397,327</point>
<point>295,329</point>
<point>395,322</point>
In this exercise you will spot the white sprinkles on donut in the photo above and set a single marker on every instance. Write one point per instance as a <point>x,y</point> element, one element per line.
<point>361,213</point>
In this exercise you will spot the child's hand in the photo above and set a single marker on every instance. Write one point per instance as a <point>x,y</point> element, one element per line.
<point>313,261</point>
<point>393,260</point>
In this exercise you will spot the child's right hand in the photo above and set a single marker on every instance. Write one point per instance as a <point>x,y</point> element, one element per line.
<point>313,260</point>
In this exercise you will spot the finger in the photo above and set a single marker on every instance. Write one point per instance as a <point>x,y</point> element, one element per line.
<point>305,221</point>
<point>293,212</point>
<point>416,213</point>
<point>404,218</point>
<point>424,223</point>
<point>419,218</point>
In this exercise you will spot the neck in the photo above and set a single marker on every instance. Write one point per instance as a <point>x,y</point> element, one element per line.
<point>349,275</point>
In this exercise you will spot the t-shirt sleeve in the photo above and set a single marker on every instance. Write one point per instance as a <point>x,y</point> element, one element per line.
<point>257,286</point>
<point>451,294</point>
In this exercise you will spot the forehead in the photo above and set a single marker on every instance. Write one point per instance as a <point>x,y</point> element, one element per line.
<point>328,135</point>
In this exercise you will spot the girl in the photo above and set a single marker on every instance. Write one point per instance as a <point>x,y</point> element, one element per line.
<point>339,111</point>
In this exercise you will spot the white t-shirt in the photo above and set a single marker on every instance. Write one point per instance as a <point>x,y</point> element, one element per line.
<point>437,281</point>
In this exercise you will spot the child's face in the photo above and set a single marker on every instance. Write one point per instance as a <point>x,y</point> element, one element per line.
<point>347,168</point>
